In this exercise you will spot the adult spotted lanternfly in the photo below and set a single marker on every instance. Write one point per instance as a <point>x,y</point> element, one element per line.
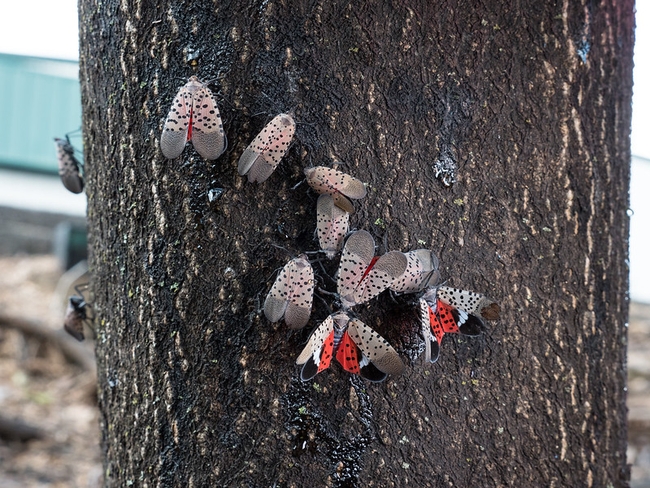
<point>76,314</point>
<point>337,184</point>
<point>446,310</point>
<point>361,275</point>
<point>193,116</point>
<point>292,294</point>
<point>263,155</point>
<point>332,223</point>
<point>68,165</point>
<point>358,348</point>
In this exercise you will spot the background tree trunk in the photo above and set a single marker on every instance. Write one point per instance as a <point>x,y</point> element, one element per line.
<point>528,107</point>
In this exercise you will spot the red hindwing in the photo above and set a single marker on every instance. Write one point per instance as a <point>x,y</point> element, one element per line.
<point>348,354</point>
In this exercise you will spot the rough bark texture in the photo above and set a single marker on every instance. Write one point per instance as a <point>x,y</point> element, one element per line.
<point>529,100</point>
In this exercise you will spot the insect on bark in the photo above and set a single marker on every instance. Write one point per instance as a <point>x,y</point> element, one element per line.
<point>264,153</point>
<point>446,310</point>
<point>332,223</point>
<point>76,314</point>
<point>358,348</point>
<point>292,293</point>
<point>193,116</point>
<point>68,165</point>
<point>340,185</point>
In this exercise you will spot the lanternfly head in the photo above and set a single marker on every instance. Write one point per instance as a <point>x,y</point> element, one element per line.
<point>75,316</point>
<point>77,312</point>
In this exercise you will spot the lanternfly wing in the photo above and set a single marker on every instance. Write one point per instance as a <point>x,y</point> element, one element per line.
<point>380,276</point>
<point>471,307</point>
<point>337,184</point>
<point>328,180</point>
<point>421,271</point>
<point>378,354</point>
<point>470,301</point>
<point>302,293</point>
<point>75,314</point>
<point>358,253</point>
<point>362,276</point>
<point>263,155</point>
<point>176,130</point>
<point>207,132</point>
<point>68,166</point>
<point>332,223</point>
<point>194,116</point>
<point>292,293</point>
<point>348,354</point>
<point>430,324</point>
<point>317,354</point>
<point>449,318</point>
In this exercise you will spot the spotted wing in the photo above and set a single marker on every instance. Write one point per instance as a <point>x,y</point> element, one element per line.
<point>448,320</point>
<point>421,271</point>
<point>176,129</point>
<point>375,348</point>
<point>268,148</point>
<point>332,223</point>
<point>291,294</point>
<point>456,320</point>
<point>469,301</point>
<point>207,134</point>
<point>301,293</point>
<point>317,354</point>
<point>358,254</point>
<point>379,276</point>
<point>68,166</point>
<point>277,299</point>
<point>470,308</point>
<point>339,185</point>
<point>348,354</point>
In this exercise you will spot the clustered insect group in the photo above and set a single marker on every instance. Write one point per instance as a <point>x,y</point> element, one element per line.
<point>362,276</point>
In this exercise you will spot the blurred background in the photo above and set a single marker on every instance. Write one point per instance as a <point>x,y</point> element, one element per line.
<point>48,415</point>
<point>49,428</point>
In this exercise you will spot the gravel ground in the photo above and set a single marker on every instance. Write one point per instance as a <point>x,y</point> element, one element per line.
<point>39,386</point>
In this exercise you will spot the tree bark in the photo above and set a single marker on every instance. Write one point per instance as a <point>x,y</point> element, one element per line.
<point>522,108</point>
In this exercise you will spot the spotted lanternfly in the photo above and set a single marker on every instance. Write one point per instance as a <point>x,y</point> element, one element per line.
<point>292,294</point>
<point>193,116</point>
<point>421,272</point>
<point>358,348</point>
<point>68,165</point>
<point>332,223</point>
<point>361,275</point>
<point>76,314</point>
<point>445,310</point>
<point>337,184</point>
<point>263,155</point>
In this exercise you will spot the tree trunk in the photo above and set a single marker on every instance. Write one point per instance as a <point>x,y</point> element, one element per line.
<point>523,109</point>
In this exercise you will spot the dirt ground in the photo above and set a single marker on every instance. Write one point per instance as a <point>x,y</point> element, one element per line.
<point>638,401</point>
<point>42,387</point>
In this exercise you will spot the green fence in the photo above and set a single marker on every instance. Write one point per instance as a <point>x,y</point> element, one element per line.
<point>39,99</point>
